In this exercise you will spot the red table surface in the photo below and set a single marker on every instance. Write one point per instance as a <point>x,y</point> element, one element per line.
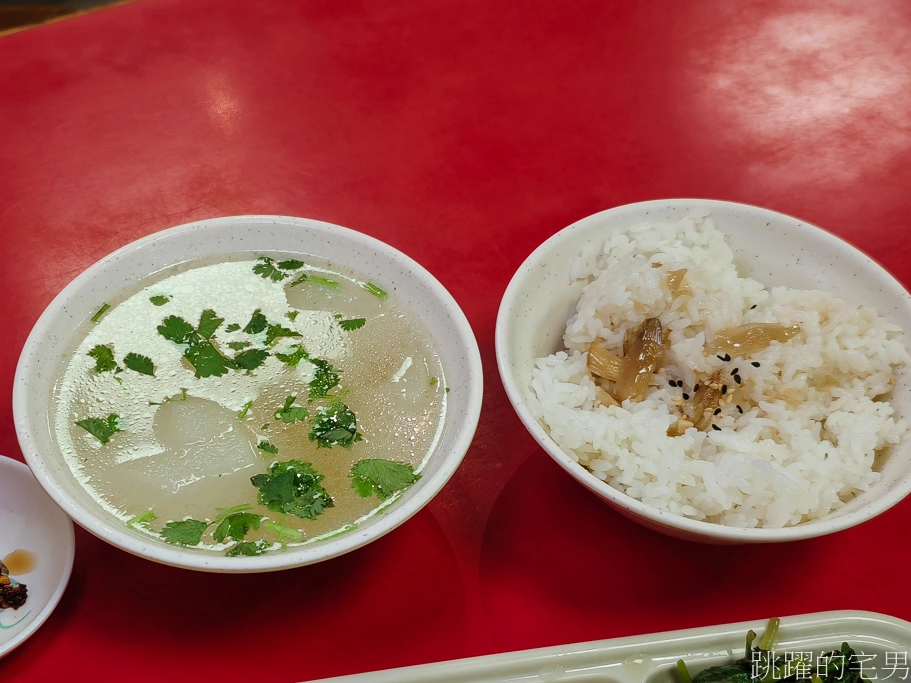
<point>464,133</point>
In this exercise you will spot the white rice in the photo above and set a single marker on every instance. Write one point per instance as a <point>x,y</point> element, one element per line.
<point>814,411</point>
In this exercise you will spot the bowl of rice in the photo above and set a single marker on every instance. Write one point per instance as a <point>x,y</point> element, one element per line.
<point>713,370</point>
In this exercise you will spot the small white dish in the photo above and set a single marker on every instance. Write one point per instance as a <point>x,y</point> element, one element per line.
<point>30,521</point>
<point>770,247</point>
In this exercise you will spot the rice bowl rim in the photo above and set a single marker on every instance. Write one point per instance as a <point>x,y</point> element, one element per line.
<point>652,516</point>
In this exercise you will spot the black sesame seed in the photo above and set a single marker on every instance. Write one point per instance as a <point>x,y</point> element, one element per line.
<point>752,307</point>
<point>727,357</point>
<point>720,357</point>
<point>672,382</point>
<point>740,410</point>
<point>716,428</point>
<point>755,363</point>
<point>696,388</point>
<point>686,397</point>
<point>717,410</point>
<point>724,389</point>
<point>735,371</point>
<point>737,379</point>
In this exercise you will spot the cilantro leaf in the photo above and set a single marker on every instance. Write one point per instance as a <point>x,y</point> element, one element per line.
<point>292,315</point>
<point>101,428</point>
<point>206,359</point>
<point>233,327</point>
<point>104,358</point>
<point>208,323</point>
<point>221,513</point>
<point>298,353</point>
<point>433,381</point>
<point>140,364</point>
<point>236,526</point>
<point>289,414</point>
<point>248,549</point>
<point>373,289</point>
<point>315,279</point>
<point>353,324</point>
<point>265,268</point>
<point>144,518</point>
<point>243,411</point>
<point>159,300</point>
<point>100,312</point>
<point>177,330</point>
<point>273,332</point>
<point>186,532</point>
<point>282,531</point>
<point>324,379</point>
<point>290,264</point>
<point>250,360</point>
<point>267,447</point>
<point>293,487</point>
<point>382,477</point>
<point>335,425</point>
<point>257,323</point>
<point>238,345</point>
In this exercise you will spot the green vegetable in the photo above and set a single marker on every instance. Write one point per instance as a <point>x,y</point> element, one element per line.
<point>250,360</point>
<point>335,425</point>
<point>248,549</point>
<point>353,324</point>
<point>143,519</point>
<point>273,332</point>
<point>187,532</point>
<point>100,312</point>
<point>292,315</point>
<point>104,358</point>
<point>102,429</point>
<point>208,323</point>
<point>159,300</point>
<point>433,381</point>
<point>236,526</point>
<point>293,487</point>
<point>233,327</point>
<point>296,356</point>
<point>267,447</point>
<point>314,279</point>
<point>291,264</point>
<point>221,513</point>
<point>282,531</point>
<point>382,477</point>
<point>265,268</point>
<point>243,411</point>
<point>177,330</point>
<point>257,323</point>
<point>238,345</point>
<point>289,414</point>
<point>207,360</point>
<point>373,289</point>
<point>324,379</point>
<point>140,364</point>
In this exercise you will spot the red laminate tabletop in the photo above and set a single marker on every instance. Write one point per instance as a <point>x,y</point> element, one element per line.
<point>464,133</point>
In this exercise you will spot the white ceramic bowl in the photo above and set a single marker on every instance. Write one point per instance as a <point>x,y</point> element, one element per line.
<point>770,247</point>
<point>30,521</point>
<point>52,336</point>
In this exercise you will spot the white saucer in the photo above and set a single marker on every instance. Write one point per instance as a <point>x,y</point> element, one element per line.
<point>29,520</point>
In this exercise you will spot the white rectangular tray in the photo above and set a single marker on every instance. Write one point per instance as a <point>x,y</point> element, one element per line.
<point>651,658</point>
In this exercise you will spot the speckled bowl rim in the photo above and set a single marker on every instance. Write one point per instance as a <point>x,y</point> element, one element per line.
<point>652,517</point>
<point>394,516</point>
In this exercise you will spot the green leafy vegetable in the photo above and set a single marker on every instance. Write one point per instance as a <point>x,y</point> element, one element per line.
<point>100,312</point>
<point>282,531</point>
<point>208,323</point>
<point>257,323</point>
<point>233,327</point>
<point>207,360</point>
<point>104,358</point>
<point>382,477</point>
<point>142,519</point>
<point>298,353</point>
<point>140,364</point>
<point>159,300</point>
<point>267,447</point>
<point>290,413</point>
<point>265,268</point>
<point>335,425</point>
<point>236,526</point>
<point>221,513</point>
<point>290,264</point>
<point>187,532</point>
<point>238,345</point>
<point>373,289</point>
<point>274,332</point>
<point>314,279</point>
<point>324,379</point>
<point>353,324</point>
<point>248,549</point>
<point>293,487</point>
<point>101,428</point>
<point>433,381</point>
<point>243,411</point>
<point>292,315</point>
<point>250,360</point>
<point>177,330</point>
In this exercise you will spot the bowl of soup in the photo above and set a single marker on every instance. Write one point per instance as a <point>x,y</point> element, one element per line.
<point>248,393</point>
